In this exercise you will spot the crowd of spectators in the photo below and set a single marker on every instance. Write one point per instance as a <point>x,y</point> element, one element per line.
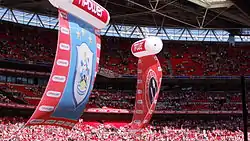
<point>36,45</point>
<point>209,60</point>
<point>193,100</point>
<point>26,43</point>
<point>185,99</point>
<point>4,99</point>
<point>176,130</point>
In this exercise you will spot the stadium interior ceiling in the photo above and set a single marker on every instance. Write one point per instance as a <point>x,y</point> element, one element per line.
<point>222,14</point>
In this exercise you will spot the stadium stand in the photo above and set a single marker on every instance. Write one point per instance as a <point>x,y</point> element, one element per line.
<point>185,100</point>
<point>160,131</point>
<point>193,59</point>
<point>35,45</point>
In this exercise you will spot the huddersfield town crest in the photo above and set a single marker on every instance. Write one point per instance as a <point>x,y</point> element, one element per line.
<point>83,73</point>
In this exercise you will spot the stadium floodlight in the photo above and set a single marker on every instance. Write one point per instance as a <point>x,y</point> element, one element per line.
<point>209,4</point>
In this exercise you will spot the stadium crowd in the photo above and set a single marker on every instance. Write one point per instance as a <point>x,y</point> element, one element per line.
<point>182,100</point>
<point>4,99</point>
<point>177,130</point>
<point>35,45</point>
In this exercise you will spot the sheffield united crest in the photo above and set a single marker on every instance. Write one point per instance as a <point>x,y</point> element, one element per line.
<point>151,86</point>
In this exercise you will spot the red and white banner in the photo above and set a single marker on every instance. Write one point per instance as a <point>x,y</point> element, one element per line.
<point>148,86</point>
<point>73,74</point>
<point>57,81</point>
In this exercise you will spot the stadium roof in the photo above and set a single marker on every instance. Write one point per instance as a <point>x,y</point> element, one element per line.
<point>223,14</point>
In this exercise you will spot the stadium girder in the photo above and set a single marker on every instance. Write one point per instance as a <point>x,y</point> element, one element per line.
<point>127,31</point>
<point>167,13</point>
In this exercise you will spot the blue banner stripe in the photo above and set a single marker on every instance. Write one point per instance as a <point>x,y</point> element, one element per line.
<point>82,70</point>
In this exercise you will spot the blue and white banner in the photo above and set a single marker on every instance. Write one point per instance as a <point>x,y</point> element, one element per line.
<point>73,74</point>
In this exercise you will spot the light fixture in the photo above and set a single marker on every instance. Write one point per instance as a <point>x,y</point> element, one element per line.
<point>209,4</point>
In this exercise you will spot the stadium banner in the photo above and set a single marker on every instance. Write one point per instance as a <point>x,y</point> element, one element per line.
<point>149,77</point>
<point>73,74</point>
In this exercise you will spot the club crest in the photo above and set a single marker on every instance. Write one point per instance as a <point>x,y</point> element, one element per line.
<point>83,73</point>
<point>151,85</point>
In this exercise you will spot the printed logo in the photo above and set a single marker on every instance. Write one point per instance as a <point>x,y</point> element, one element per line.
<point>64,46</point>
<point>36,121</point>
<point>139,81</point>
<point>64,15</point>
<point>159,69</point>
<point>139,102</point>
<point>138,46</point>
<point>60,122</point>
<point>83,73</point>
<point>139,92</point>
<point>93,8</point>
<point>137,121</point>
<point>67,123</point>
<point>46,108</point>
<point>53,94</point>
<point>98,46</point>
<point>63,63</point>
<point>98,60</point>
<point>151,112</point>
<point>72,125</point>
<point>139,112</point>
<point>65,30</point>
<point>58,78</point>
<point>139,71</point>
<point>50,121</point>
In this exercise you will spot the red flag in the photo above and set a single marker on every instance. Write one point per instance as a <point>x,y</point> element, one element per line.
<point>148,87</point>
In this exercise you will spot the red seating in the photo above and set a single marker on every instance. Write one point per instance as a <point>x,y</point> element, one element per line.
<point>177,59</point>
<point>168,100</point>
